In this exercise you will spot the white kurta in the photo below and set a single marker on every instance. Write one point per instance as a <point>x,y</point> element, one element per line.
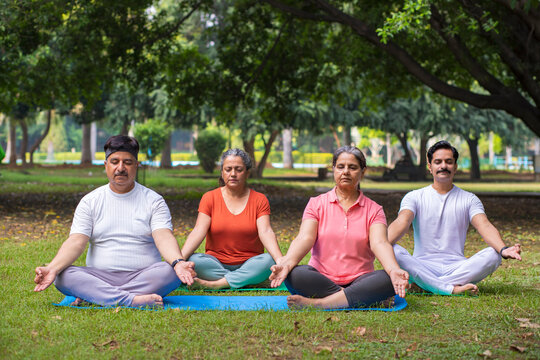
<point>440,228</point>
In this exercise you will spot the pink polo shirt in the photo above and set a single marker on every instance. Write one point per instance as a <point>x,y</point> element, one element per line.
<point>341,251</point>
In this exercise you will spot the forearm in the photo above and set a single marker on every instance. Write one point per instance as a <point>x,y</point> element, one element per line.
<point>193,241</point>
<point>70,251</point>
<point>385,254</point>
<point>167,245</point>
<point>269,241</point>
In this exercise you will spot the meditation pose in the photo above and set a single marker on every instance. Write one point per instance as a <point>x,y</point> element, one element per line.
<point>129,228</point>
<point>345,231</point>
<point>440,214</point>
<point>236,223</point>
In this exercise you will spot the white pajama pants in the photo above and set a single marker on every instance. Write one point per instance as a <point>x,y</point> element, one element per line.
<point>439,275</point>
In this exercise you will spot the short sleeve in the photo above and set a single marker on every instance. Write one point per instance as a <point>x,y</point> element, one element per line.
<point>378,216</point>
<point>205,206</point>
<point>263,206</point>
<point>476,207</point>
<point>409,202</point>
<point>161,216</point>
<point>82,220</point>
<point>311,211</point>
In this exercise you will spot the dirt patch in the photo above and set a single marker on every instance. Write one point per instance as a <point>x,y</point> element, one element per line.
<point>30,217</point>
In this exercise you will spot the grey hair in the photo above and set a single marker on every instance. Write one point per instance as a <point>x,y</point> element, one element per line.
<point>353,150</point>
<point>240,153</point>
<point>235,152</point>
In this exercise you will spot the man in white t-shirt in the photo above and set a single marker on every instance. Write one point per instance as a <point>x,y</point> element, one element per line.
<point>440,214</point>
<point>129,229</point>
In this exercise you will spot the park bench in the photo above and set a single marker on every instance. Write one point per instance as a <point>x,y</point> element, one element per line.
<point>403,170</point>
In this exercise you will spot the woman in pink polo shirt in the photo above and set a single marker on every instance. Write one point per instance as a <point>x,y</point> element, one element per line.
<point>345,231</point>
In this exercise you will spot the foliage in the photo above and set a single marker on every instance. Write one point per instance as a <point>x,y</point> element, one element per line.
<point>151,136</point>
<point>209,145</point>
<point>449,46</point>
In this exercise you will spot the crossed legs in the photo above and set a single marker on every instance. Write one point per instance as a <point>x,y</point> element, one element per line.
<point>456,277</point>
<point>128,288</point>
<point>311,288</point>
<point>212,273</point>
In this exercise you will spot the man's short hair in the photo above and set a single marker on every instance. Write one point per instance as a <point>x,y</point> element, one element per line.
<point>121,143</point>
<point>443,144</point>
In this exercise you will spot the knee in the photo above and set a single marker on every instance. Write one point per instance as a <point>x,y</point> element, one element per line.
<point>493,258</point>
<point>267,260</point>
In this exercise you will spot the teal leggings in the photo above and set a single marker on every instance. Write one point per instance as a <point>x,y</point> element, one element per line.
<point>253,271</point>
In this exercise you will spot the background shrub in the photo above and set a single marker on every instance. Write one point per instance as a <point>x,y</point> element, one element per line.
<point>209,146</point>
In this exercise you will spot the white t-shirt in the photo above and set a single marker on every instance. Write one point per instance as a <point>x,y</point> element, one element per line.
<point>120,227</point>
<point>441,221</point>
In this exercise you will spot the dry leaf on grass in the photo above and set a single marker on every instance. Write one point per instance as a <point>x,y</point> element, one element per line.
<point>332,318</point>
<point>111,344</point>
<point>320,349</point>
<point>412,347</point>
<point>296,325</point>
<point>523,319</point>
<point>486,354</point>
<point>57,317</point>
<point>360,331</point>
<point>519,349</point>
<point>529,325</point>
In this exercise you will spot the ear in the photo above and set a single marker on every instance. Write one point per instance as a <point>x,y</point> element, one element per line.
<point>429,166</point>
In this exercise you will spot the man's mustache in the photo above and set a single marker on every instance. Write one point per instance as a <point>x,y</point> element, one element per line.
<point>121,173</point>
<point>443,170</point>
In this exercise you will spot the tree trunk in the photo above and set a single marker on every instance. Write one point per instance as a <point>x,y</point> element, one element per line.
<point>38,141</point>
<point>475,162</point>
<point>287,148</point>
<point>388,150</point>
<point>249,148</point>
<point>125,127</point>
<point>12,143</point>
<point>24,141</point>
<point>403,141</point>
<point>422,167</point>
<point>86,157</point>
<point>336,137</point>
<point>93,140</point>
<point>267,149</point>
<point>347,140</point>
<point>166,162</point>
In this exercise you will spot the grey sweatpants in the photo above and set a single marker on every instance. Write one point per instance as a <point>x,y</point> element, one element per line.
<point>105,288</point>
<point>365,290</point>
<point>253,271</point>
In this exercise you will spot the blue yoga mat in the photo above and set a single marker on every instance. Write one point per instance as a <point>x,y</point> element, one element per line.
<point>235,303</point>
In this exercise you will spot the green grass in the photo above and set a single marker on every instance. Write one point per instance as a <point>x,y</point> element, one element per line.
<point>435,327</point>
<point>74,179</point>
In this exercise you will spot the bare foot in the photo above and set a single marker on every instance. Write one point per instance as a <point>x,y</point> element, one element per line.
<point>471,288</point>
<point>388,303</point>
<point>150,300</point>
<point>299,302</point>
<point>213,284</point>
<point>77,302</point>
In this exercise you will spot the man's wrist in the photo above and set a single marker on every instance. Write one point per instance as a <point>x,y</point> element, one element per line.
<point>501,252</point>
<point>175,262</point>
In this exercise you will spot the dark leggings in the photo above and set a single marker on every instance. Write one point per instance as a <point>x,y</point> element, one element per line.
<point>364,291</point>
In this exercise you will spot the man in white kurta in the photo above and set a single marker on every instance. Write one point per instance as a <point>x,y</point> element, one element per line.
<point>440,215</point>
<point>129,229</point>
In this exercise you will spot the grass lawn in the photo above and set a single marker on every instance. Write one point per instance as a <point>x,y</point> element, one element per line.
<point>36,208</point>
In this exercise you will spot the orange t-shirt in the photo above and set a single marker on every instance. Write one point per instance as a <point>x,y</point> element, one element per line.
<point>233,239</point>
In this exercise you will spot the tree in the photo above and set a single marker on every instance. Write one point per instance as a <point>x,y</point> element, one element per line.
<point>446,45</point>
<point>151,136</point>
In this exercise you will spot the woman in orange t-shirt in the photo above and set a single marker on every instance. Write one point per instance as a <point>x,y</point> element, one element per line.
<point>236,223</point>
